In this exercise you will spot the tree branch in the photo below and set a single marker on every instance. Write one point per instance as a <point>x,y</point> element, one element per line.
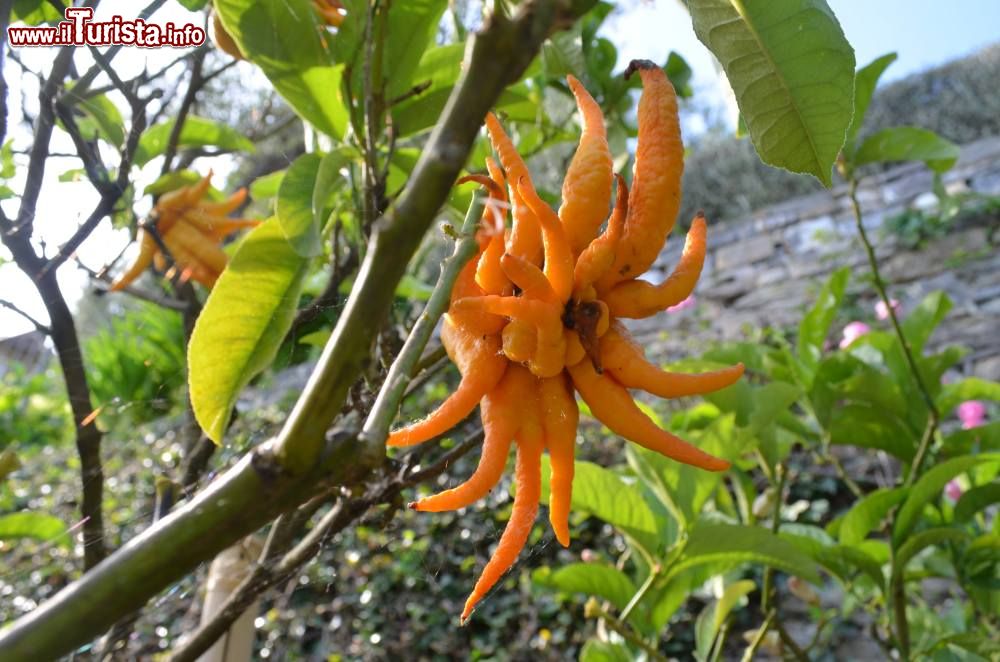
<point>38,325</point>
<point>386,406</point>
<point>194,86</point>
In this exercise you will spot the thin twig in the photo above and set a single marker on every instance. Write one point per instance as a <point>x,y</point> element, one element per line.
<point>641,593</point>
<point>593,610</point>
<point>792,645</point>
<point>387,404</point>
<point>194,86</point>
<point>758,638</point>
<point>84,83</point>
<point>38,325</point>
<point>933,415</point>
<point>767,591</point>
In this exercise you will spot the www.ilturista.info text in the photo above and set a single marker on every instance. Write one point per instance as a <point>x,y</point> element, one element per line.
<point>80,30</point>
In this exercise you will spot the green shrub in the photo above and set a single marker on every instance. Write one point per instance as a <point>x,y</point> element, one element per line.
<point>136,364</point>
<point>33,408</point>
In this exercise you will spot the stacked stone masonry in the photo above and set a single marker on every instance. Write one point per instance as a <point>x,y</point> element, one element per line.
<point>765,269</point>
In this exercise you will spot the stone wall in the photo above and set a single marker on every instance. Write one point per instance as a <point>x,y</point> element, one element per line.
<point>765,269</point>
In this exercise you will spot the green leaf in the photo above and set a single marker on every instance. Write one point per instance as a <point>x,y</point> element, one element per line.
<point>563,54</point>
<point>685,489</point>
<point>603,581</point>
<point>328,180</point>
<point>411,28</point>
<point>267,186</point>
<point>412,288</point>
<point>680,73</point>
<point>922,320</point>
<point>839,559</point>
<point>605,651</point>
<point>908,143</point>
<point>976,499</point>
<point>770,400</point>
<point>679,588</point>
<point>970,388</point>
<point>172,181</point>
<point>716,612</point>
<point>732,545</point>
<point>36,12</point>
<point>928,487</point>
<point>39,526</point>
<point>294,209</point>
<point>982,438</point>
<point>916,543</point>
<point>865,82</point>
<point>980,567</point>
<point>437,74</point>
<point>870,427</point>
<point>842,378</point>
<point>289,44</point>
<point>816,324</point>
<point>792,71</point>
<point>7,166</point>
<point>196,132</point>
<point>973,642</point>
<point>194,5</point>
<point>868,512</point>
<point>106,118</point>
<point>73,175</point>
<point>243,323</point>
<point>605,495</point>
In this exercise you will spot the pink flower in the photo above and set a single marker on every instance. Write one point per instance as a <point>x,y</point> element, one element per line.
<point>852,332</point>
<point>953,490</point>
<point>882,312</point>
<point>972,414</point>
<point>683,305</point>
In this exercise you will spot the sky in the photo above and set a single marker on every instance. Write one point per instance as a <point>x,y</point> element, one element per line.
<point>924,33</point>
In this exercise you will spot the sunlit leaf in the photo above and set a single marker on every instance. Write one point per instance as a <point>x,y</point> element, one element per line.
<point>596,579</point>
<point>596,650</point>
<point>196,132</point>
<point>39,526</point>
<point>865,82</point>
<point>290,45</point>
<point>792,71</point>
<point>908,143</point>
<point>732,545</point>
<point>411,28</point>
<point>243,323</point>
<point>606,496</point>
<point>867,512</point>
<point>294,209</point>
<point>267,185</point>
